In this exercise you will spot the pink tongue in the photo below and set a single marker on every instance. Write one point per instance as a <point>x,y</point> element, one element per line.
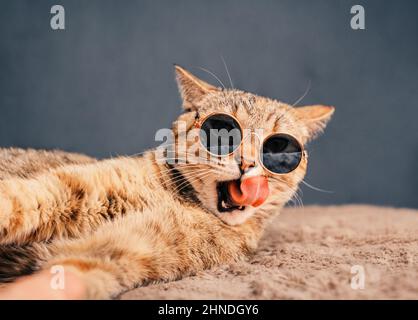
<point>252,191</point>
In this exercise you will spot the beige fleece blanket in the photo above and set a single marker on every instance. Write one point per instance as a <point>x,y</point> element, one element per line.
<point>338,252</point>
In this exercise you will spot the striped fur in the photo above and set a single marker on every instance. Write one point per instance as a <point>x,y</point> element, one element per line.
<point>129,221</point>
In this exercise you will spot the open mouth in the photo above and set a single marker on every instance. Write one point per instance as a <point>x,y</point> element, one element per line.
<point>225,203</point>
<point>236,194</point>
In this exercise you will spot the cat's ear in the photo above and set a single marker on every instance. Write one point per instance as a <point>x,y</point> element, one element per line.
<point>191,88</point>
<point>315,119</point>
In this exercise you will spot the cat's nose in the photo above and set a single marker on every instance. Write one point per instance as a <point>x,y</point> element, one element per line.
<point>248,153</point>
<point>246,165</point>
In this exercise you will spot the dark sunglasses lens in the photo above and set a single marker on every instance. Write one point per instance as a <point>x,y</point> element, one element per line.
<point>220,134</point>
<point>281,153</point>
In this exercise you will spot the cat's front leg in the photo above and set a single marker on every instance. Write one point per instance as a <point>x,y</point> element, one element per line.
<point>13,220</point>
<point>26,206</point>
<point>66,202</point>
<point>138,249</point>
<point>119,256</point>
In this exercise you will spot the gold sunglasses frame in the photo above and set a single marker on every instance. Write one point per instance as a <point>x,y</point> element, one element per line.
<point>200,121</point>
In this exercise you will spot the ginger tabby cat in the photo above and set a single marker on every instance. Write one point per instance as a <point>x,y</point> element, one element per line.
<point>129,221</point>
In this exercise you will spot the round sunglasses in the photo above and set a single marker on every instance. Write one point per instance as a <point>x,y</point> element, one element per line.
<point>221,135</point>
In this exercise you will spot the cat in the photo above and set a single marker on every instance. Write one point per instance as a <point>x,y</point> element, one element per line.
<point>129,221</point>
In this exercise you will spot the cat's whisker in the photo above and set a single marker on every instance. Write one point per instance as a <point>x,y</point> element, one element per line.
<point>187,175</point>
<point>137,154</point>
<point>192,173</point>
<point>298,199</point>
<point>215,170</point>
<point>158,176</point>
<point>179,166</point>
<point>308,88</point>
<point>227,72</point>
<point>187,153</point>
<point>205,161</point>
<point>166,169</point>
<point>301,197</point>
<point>189,160</point>
<point>175,183</point>
<point>173,180</point>
<point>213,75</point>
<point>316,188</point>
<point>149,150</point>
<point>190,181</point>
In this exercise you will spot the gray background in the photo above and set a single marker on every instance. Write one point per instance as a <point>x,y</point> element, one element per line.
<point>105,84</point>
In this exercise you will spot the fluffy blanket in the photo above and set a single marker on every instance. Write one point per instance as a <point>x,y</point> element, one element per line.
<point>338,252</point>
